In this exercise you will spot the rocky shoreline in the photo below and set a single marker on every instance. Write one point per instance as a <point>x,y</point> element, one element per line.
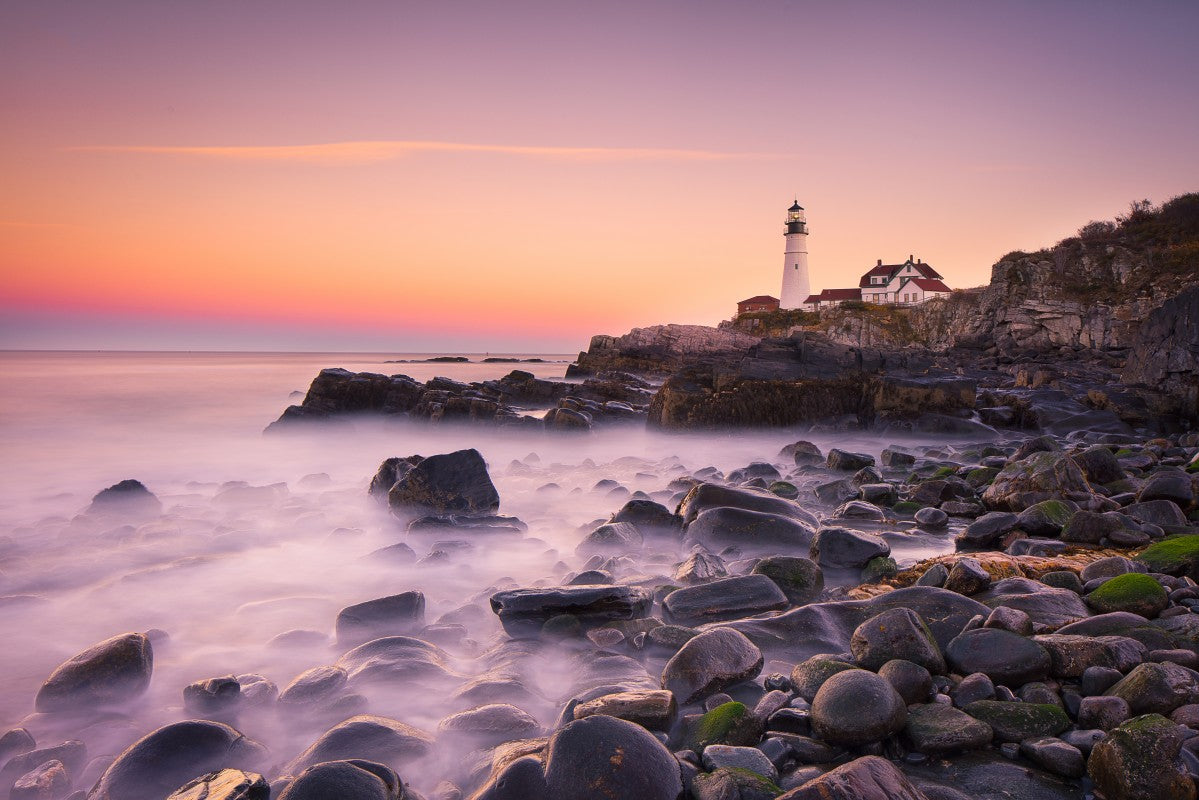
<point>740,635</point>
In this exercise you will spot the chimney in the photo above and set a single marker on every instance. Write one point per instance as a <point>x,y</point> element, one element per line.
<point>880,262</point>
<point>909,257</point>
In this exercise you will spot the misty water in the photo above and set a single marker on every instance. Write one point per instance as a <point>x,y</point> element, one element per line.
<point>265,535</point>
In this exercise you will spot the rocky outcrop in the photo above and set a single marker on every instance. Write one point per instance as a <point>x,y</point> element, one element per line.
<point>339,394</point>
<point>662,349</point>
<point>1165,351</point>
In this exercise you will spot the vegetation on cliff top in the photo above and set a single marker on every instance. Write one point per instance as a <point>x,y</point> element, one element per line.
<point>1164,238</point>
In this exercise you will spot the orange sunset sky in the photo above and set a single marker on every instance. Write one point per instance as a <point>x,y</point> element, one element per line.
<point>518,176</point>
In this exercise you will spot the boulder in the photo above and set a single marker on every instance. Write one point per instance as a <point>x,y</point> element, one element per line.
<point>1173,485</point>
<point>1071,655</point>
<point>130,497</point>
<point>710,662</point>
<point>733,783</point>
<point>987,529</point>
<point>314,687</point>
<point>967,577</point>
<point>845,548</point>
<point>1046,518</point>
<point>112,672</point>
<point>1177,555</point>
<point>865,778</point>
<point>397,657</point>
<point>369,737</point>
<point>611,538</point>
<point>705,496</point>
<point>857,707</point>
<point>847,461</point>
<point>226,784</point>
<point>1039,477</point>
<point>913,682</point>
<point>602,756</point>
<point>489,725</point>
<point>49,781</point>
<point>387,616</point>
<point>1054,755</point>
<point>212,695</point>
<point>161,762</point>
<point>391,472</point>
<point>523,612</point>
<point>799,578</point>
<point>452,483</point>
<point>650,517</point>
<point>1153,688</point>
<point>897,633</point>
<point>1132,592</point>
<point>1140,760</point>
<point>1004,657</point>
<point>721,527</point>
<point>650,708</point>
<point>723,599</point>
<point>1099,465</point>
<point>1015,722</point>
<point>354,779</point>
<point>939,728</point>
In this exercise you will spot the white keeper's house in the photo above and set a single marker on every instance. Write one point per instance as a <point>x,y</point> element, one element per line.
<point>906,284</point>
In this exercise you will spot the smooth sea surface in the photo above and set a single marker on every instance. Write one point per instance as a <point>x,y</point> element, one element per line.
<point>264,535</point>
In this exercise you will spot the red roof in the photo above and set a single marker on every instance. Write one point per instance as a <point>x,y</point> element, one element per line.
<point>813,298</point>
<point>929,285</point>
<point>762,298</point>
<point>927,271</point>
<point>840,294</point>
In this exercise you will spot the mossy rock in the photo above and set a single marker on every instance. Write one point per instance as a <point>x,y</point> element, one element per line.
<point>808,676</point>
<point>878,568</point>
<point>947,472</point>
<point>731,723</point>
<point>1015,722</point>
<point>1124,451</point>
<point>906,507</point>
<point>981,476</point>
<point>1132,591</point>
<point>1139,760</point>
<point>735,782</point>
<point>784,489</point>
<point>1178,555</point>
<point>800,579</point>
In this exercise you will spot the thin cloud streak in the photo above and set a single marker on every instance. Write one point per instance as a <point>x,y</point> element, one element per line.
<point>373,151</point>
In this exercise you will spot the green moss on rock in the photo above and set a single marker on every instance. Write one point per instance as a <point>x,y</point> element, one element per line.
<point>731,723</point>
<point>1133,591</point>
<point>906,507</point>
<point>1139,760</point>
<point>878,568</point>
<point>1174,556</point>
<point>1015,722</point>
<point>784,489</point>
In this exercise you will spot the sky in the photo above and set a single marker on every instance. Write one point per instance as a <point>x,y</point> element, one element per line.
<point>518,176</point>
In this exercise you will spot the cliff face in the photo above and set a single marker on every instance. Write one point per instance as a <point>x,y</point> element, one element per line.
<point>1089,292</point>
<point>661,349</point>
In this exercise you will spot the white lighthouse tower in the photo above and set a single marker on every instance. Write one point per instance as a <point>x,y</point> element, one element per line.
<point>795,259</point>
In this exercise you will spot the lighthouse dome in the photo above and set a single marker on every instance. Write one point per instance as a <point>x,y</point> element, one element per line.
<point>795,206</point>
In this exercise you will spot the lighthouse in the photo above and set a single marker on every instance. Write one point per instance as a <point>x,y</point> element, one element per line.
<point>795,259</point>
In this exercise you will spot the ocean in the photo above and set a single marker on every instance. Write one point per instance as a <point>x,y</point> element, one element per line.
<point>262,536</point>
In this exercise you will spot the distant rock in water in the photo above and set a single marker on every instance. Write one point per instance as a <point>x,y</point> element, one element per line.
<point>433,360</point>
<point>109,673</point>
<point>453,483</point>
<point>338,394</point>
<point>127,496</point>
